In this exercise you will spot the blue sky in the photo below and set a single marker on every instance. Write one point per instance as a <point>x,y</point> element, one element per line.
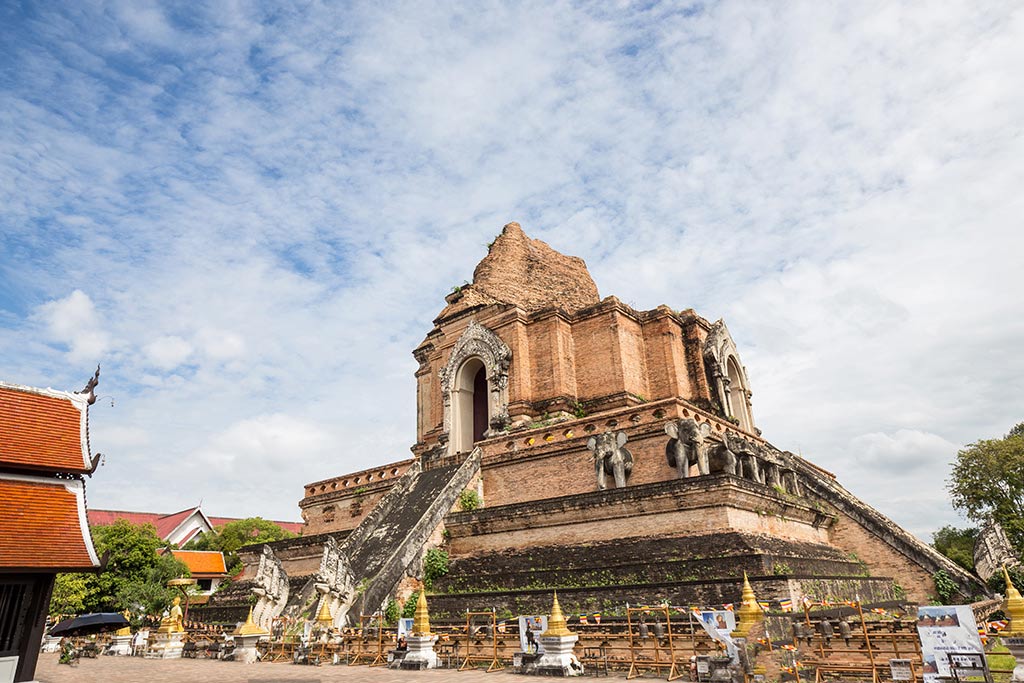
<point>251,213</point>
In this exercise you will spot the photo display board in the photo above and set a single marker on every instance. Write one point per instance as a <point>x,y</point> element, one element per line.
<point>945,629</point>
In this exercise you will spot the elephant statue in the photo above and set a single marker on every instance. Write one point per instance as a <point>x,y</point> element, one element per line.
<point>686,447</point>
<point>772,474</point>
<point>748,458</point>
<point>611,457</point>
<point>721,459</point>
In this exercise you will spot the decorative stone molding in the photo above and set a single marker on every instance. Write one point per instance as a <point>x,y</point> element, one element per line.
<point>478,342</point>
<point>992,550</point>
<point>271,589</point>
<point>334,581</point>
<point>733,393</point>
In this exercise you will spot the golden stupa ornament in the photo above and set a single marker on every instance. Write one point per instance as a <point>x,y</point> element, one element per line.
<point>556,624</point>
<point>1013,606</point>
<point>750,611</point>
<point>421,617</point>
<point>249,628</point>
<point>324,615</point>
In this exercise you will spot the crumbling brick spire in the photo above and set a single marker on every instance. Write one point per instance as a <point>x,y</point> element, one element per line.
<point>530,274</point>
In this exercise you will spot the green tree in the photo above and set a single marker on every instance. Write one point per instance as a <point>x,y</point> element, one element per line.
<point>69,594</point>
<point>956,544</point>
<point>132,579</point>
<point>988,479</point>
<point>150,595</point>
<point>234,535</point>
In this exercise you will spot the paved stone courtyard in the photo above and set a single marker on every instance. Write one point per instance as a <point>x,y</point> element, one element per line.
<point>139,670</point>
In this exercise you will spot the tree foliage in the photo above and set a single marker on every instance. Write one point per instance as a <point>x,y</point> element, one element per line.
<point>234,535</point>
<point>956,544</point>
<point>988,479</point>
<point>70,592</point>
<point>134,577</point>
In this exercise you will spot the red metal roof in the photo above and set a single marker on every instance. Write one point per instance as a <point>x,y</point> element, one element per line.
<point>105,517</point>
<point>294,527</point>
<point>43,429</point>
<point>168,523</point>
<point>165,524</point>
<point>43,525</point>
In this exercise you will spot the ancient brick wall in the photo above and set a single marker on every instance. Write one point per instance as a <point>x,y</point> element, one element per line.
<point>341,503</point>
<point>852,538</point>
<point>554,460</point>
<point>699,507</point>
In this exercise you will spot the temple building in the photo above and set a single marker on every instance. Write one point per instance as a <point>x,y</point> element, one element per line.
<point>569,441</point>
<point>44,458</point>
<point>175,527</point>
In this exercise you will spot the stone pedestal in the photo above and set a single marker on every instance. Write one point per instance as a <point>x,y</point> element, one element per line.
<point>121,646</point>
<point>421,653</point>
<point>245,648</point>
<point>557,658</point>
<point>1015,644</point>
<point>165,645</point>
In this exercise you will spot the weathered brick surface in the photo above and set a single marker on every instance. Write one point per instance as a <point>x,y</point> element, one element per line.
<point>883,559</point>
<point>697,507</point>
<point>530,274</point>
<point>341,503</point>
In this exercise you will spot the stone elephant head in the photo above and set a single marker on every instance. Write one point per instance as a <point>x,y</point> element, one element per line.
<point>611,457</point>
<point>685,447</point>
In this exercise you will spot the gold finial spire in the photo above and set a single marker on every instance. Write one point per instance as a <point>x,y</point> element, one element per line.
<point>1013,606</point>
<point>249,628</point>
<point>750,611</point>
<point>324,615</point>
<point>421,618</point>
<point>556,624</point>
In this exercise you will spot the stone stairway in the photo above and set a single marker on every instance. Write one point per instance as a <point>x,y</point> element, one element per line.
<point>393,537</point>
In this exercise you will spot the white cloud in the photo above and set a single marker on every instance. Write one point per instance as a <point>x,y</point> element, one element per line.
<point>167,353</point>
<point>74,323</point>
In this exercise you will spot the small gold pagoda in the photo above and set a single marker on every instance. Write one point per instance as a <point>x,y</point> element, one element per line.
<point>750,611</point>
<point>1013,607</point>
<point>249,628</point>
<point>323,617</point>
<point>421,617</point>
<point>556,624</point>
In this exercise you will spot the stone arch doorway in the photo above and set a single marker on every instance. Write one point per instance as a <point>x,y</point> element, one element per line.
<point>474,384</point>
<point>737,393</point>
<point>470,410</point>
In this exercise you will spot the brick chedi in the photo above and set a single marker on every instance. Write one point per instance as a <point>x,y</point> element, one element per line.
<point>615,457</point>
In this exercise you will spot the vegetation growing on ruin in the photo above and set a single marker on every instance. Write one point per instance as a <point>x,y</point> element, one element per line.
<point>469,500</point>
<point>435,565</point>
<point>945,586</point>
<point>409,608</point>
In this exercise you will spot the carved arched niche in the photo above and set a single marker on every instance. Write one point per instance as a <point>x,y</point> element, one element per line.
<point>729,379</point>
<point>478,349</point>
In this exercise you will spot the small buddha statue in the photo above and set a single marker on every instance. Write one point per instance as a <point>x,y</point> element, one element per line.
<point>172,623</point>
<point>127,630</point>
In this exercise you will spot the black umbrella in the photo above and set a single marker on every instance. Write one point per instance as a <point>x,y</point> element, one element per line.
<point>100,622</point>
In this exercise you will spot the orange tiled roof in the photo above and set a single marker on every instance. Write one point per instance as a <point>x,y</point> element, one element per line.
<point>202,563</point>
<point>42,429</point>
<point>43,524</point>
